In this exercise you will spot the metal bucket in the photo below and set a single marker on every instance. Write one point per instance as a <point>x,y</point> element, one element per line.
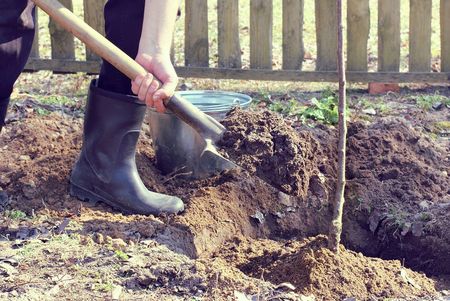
<point>177,146</point>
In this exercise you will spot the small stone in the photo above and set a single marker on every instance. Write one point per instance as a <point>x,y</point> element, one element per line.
<point>290,209</point>
<point>369,111</point>
<point>24,158</point>
<point>284,199</point>
<point>438,106</point>
<point>279,214</point>
<point>118,244</point>
<point>259,217</point>
<point>98,238</point>
<point>424,205</point>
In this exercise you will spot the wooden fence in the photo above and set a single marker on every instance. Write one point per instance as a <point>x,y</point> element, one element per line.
<point>197,52</point>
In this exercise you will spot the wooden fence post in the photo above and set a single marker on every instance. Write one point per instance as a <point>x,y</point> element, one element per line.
<point>61,40</point>
<point>261,20</point>
<point>196,50</point>
<point>293,49</point>
<point>445,35</point>
<point>35,48</point>
<point>93,15</point>
<point>326,24</point>
<point>358,20</point>
<point>228,36</point>
<point>388,35</point>
<point>420,36</point>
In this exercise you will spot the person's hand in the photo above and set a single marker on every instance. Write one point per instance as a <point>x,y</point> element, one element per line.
<point>147,88</point>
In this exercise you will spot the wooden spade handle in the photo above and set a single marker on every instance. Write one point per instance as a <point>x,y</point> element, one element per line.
<point>205,125</point>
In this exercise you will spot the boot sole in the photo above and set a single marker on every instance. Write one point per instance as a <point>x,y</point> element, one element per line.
<point>87,195</point>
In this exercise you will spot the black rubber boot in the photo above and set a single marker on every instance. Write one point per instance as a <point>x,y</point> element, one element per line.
<point>106,169</point>
<point>3,109</point>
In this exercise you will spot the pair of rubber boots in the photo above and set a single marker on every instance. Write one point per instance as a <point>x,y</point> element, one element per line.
<point>106,168</point>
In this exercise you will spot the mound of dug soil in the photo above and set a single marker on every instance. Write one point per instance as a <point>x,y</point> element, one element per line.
<point>265,145</point>
<point>314,269</point>
<point>399,191</point>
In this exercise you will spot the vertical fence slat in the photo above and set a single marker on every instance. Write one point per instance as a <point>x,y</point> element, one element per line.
<point>420,36</point>
<point>261,20</point>
<point>358,20</point>
<point>445,35</point>
<point>61,40</point>
<point>293,49</point>
<point>35,48</point>
<point>389,35</point>
<point>326,26</point>
<point>228,36</point>
<point>93,15</point>
<point>196,50</point>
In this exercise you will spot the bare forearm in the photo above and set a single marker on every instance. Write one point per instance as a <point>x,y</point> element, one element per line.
<point>158,26</point>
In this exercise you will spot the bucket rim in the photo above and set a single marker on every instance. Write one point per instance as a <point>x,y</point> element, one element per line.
<point>215,108</point>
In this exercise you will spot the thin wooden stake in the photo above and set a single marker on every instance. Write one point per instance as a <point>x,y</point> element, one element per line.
<point>336,224</point>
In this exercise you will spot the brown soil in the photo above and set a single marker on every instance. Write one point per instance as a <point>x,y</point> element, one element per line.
<point>265,145</point>
<point>399,191</point>
<point>281,198</point>
<point>314,269</point>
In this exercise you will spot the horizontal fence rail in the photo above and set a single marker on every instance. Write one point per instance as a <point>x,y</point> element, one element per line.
<point>197,48</point>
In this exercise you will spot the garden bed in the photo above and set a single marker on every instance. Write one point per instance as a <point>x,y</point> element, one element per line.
<point>263,221</point>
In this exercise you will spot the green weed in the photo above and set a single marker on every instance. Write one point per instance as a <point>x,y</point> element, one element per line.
<point>324,109</point>
<point>121,255</point>
<point>15,214</point>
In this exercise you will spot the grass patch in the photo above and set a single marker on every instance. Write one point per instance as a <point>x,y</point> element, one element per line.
<point>15,214</point>
<point>59,100</point>
<point>426,102</point>
<point>380,107</point>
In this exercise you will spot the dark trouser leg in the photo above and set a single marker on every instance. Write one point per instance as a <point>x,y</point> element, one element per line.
<point>16,39</point>
<point>123,26</point>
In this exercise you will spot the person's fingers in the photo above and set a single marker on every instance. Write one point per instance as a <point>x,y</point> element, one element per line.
<point>144,87</point>
<point>166,91</point>
<point>136,83</point>
<point>159,106</point>
<point>151,90</point>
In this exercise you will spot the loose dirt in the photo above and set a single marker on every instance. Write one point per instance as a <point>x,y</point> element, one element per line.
<point>399,191</point>
<point>264,144</point>
<point>283,194</point>
<point>314,269</point>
